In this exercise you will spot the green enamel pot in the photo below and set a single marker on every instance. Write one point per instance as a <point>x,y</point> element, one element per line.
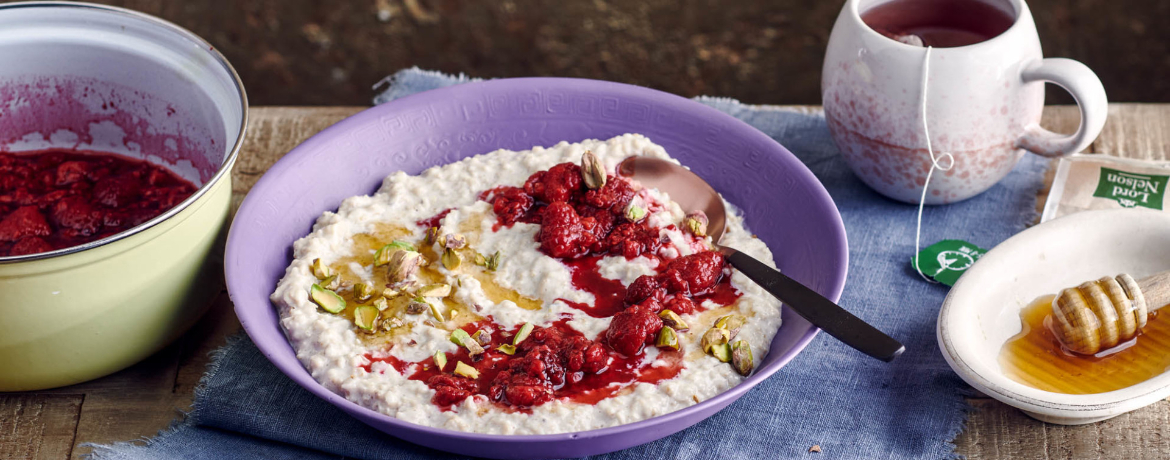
<point>96,78</point>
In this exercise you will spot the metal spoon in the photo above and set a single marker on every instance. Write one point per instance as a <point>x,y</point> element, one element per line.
<point>693,193</point>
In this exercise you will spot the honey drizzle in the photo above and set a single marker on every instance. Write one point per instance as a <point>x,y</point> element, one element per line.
<point>704,321</point>
<point>1035,358</point>
<point>471,228</point>
<point>458,314</point>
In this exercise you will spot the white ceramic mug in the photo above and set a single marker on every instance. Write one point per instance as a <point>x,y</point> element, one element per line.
<point>983,105</point>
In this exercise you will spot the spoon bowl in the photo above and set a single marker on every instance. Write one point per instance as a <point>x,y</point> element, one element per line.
<point>693,193</point>
<point>686,188</point>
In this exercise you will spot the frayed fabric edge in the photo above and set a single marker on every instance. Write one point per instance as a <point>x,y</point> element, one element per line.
<point>961,395</point>
<point>123,449</point>
<point>394,83</point>
<point>212,369</point>
<point>185,420</point>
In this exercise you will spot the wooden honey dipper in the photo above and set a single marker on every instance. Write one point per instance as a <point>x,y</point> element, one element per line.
<point>1099,315</point>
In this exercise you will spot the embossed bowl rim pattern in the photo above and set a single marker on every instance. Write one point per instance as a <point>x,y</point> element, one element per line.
<point>800,221</point>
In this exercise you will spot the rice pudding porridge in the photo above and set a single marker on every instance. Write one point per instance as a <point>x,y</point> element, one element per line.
<point>528,292</point>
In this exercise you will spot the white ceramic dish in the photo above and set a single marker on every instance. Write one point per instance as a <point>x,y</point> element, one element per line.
<point>982,310</point>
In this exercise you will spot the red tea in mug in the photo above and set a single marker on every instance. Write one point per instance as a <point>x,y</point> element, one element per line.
<point>938,23</point>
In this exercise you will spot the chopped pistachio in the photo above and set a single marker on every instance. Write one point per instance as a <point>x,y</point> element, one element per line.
<point>732,323</point>
<point>507,349</point>
<point>440,360</point>
<point>381,304</point>
<point>522,334</point>
<point>722,352</point>
<point>326,299</point>
<point>635,210</point>
<point>454,241</point>
<point>331,282</point>
<point>741,357</point>
<point>465,370</point>
<point>434,290</point>
<point>363,292</point>
<point>438,314</point>
<point>320,270</point>
<point>714,337</point>
<point>493,261</point>
<point>417,305</point>
<point>392,324</point>
<point>696,222</point>
<point>480,260</point>
<point>667,338</point>
<point>672,319</point>
<point>474,348</point>
<point>592,171</point>
<point>482,336</point>
<point>432,235</point>
<point>391,293</point>
<point>459,336</point>
<point>403,264</point>
<point>451,259</point>
<point>365,317</point>
<point>382,257</point>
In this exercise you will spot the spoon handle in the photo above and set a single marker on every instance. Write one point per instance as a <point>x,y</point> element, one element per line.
<point>818,310</point>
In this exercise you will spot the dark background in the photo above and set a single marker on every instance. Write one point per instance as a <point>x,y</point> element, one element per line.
<point>306,52</point>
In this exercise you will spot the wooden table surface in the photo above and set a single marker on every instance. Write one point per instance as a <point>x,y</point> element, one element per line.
<point>141,400</point>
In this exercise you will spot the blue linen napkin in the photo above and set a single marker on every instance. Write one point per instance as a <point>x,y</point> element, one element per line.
<point>852,406</point>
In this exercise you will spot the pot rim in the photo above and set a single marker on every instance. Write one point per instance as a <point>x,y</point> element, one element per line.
<point>225,167</point>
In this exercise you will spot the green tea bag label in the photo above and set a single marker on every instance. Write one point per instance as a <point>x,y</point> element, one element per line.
<point>1131,189</point>
<point>946,260</point>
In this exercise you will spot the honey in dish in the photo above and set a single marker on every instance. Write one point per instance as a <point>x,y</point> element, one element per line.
<point>1035,357</point>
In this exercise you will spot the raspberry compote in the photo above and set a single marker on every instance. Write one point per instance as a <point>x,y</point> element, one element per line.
<point>57,199</point>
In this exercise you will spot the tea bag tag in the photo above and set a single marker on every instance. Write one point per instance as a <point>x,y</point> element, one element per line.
<point>936,162</point>
<point>946,260</point>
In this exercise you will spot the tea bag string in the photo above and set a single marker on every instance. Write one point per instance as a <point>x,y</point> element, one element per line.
<point>935,163</point>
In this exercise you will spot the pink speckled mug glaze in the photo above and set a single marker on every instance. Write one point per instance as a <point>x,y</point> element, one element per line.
<point>984,103</point>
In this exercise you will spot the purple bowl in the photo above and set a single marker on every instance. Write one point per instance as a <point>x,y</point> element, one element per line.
<point>782,201</point>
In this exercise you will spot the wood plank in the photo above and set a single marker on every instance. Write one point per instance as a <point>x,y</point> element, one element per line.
<point>131,403</point>
<point>1136,131</point>
<point>272,132</point>
<point>997,431</point>
<point>38,426</point>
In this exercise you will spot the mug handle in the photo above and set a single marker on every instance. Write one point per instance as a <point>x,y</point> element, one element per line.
<point>1085,87</point>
